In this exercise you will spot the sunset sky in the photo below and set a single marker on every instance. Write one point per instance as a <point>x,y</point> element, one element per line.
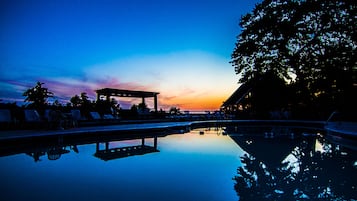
<point>180,48</point>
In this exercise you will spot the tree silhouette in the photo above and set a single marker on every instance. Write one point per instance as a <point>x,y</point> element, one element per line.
<point>76,101</point>
<point>83,103</point>
<point>315,175</point>
<point>85,99</point>
<point>81,100</point>
<point>312,43</point>
<point>142,106</point>
<point>38,95</point>
<point>106,106</point>
<point>174,110</point>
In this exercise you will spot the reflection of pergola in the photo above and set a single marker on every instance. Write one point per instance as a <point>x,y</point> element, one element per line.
<point>108,92</point>
<point>107,153</point>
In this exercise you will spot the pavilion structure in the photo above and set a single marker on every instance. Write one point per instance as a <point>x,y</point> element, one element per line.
<point>108,92</point>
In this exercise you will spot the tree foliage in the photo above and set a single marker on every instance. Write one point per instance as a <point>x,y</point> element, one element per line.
<point>75,101</point>
<point>81,100</point>
<point>38,95</point>
<point>174,110</point>
<point>312,43</point>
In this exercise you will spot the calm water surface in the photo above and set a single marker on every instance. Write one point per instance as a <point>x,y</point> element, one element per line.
<point>203,164</point>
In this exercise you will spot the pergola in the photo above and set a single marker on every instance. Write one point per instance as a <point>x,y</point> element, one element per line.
<point>108,92</point>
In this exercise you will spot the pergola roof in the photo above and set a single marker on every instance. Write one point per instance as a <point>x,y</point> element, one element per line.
<point>126,93</point>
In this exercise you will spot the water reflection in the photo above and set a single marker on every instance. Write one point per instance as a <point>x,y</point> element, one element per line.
<point>188,167</point>
<point>308,167</point>
<point>53,153</point>
<point>107,147</point>
<point>278,163</point>
<point>121,152</point>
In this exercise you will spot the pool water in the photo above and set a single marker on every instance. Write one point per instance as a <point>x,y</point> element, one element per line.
<point>208,164</point>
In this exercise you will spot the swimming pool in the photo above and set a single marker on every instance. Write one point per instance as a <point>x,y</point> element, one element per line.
<point>216,163</point>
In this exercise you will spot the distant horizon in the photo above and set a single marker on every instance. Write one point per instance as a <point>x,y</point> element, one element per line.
<point>124,104</point>
<point>180,49</point>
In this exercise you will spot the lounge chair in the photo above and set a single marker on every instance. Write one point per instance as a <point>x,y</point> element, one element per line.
<point>76,116</point>
<point>33,119</point>
<point>32,116</point>
<point>5,118</point>
<point>108,116</point>
<point>95,116</point>
<point>47,116</point>
<point>56,119</point>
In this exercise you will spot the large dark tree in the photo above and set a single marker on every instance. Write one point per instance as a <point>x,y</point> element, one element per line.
<point>311,43</point>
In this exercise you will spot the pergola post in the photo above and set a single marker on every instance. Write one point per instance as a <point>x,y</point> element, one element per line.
<point>155,103</point>
<point>143,100</point>
<point>155,142</point>
<point>107,146</point>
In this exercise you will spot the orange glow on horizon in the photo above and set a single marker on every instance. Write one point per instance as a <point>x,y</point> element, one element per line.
<point>204,103</point>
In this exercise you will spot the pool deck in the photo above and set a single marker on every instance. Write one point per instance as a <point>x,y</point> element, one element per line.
<point>17,134</point>
<point>146,127</point>
<point>346,128</point>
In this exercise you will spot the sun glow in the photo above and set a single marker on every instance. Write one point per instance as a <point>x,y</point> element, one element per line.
<point>189,80</point>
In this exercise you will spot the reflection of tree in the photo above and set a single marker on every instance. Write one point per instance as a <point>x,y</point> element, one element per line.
<point>53,152</point>
<point>36,155</point>
<point>256,181</point>
<point>312,175</point>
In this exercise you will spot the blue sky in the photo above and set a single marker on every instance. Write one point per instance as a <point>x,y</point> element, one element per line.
<point>180,48</point>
